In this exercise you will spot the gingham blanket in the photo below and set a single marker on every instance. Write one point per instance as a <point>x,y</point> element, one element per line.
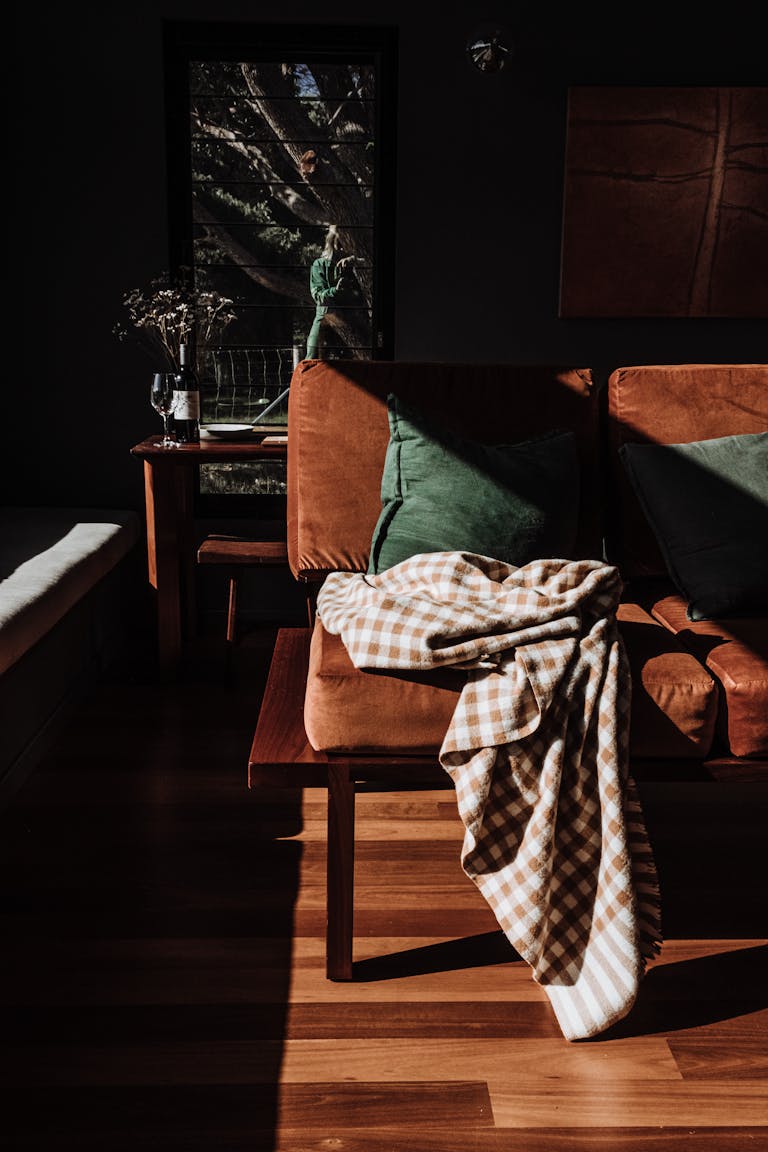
<point>537,749</point>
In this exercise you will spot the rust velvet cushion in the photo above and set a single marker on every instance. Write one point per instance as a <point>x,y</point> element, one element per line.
<point>674,698</point>
<point>441,492</point>
<point>736,655</point>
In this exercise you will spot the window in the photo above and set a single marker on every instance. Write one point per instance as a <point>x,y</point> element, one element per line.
<point>281,149</point>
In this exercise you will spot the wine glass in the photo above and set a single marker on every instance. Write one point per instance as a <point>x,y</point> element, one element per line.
<point>163,398</point>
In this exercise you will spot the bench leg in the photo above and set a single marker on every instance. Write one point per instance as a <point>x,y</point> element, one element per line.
<point>232,610</point>
<point>340,874</point>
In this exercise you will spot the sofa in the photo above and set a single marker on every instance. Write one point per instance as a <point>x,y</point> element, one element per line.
<point>699,698</point>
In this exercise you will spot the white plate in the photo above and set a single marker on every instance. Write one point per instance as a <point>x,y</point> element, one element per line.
<point>229,431</point>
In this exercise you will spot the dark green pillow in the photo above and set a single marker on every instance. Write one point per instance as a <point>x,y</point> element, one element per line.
<point>441,493</point>
<point>707,503</point>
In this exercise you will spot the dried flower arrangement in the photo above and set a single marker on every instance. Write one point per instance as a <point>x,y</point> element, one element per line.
<point>174,311</point>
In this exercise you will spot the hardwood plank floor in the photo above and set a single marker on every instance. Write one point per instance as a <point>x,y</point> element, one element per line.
<point>163,962</point>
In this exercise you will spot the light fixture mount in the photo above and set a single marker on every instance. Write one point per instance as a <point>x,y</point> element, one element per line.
<point>489,48</point>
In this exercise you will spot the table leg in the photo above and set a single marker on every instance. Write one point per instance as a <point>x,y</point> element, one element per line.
<point>163,559</point>
<point>185,527</point>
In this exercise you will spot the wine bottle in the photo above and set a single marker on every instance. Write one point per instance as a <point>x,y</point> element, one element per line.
<point>186,413</point>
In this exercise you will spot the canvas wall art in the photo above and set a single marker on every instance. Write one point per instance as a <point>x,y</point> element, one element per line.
<point>665,210</point>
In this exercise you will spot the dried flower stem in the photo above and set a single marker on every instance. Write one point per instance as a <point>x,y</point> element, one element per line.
<point>169,314</point>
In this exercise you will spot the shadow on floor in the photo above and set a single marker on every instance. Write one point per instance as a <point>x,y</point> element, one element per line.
<point>696,992</point>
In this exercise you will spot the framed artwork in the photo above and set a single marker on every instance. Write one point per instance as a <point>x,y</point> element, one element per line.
<point>665,209</point>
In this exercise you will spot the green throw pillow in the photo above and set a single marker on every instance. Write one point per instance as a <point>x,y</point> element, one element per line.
<point>441,493</point>
<point>707,503</point>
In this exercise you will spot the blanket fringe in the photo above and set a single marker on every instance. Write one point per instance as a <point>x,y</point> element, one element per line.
<point>645,876</point>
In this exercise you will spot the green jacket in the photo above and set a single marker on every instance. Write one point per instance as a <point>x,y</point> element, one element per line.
<point>323,284</point>
<point>325,288</point>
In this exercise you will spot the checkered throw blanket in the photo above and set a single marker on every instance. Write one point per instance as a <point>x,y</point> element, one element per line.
<point>538,751</point>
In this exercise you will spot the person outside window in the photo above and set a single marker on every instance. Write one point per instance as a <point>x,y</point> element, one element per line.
<point>329,281</point>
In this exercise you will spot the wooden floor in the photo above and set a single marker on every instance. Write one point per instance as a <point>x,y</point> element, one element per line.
<point>163,983</point>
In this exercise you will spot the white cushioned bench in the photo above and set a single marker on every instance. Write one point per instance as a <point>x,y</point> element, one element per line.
<point>55,564</point>
<point>49,559</point>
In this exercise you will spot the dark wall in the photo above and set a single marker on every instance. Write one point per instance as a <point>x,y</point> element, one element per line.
<point>479,205</point>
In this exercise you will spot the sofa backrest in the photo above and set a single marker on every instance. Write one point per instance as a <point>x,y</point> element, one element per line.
<point>339,431</point>
<point>670,404</point>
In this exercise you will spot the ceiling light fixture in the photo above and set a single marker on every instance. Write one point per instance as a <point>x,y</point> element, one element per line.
<point>488,49</point>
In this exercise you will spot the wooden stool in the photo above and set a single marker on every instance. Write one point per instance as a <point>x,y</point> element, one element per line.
<point>234,552</point>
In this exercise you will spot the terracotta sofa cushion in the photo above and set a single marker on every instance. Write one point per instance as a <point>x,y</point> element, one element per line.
<point>674,699</point>
<point>736,653</point>
<point>346,710</point>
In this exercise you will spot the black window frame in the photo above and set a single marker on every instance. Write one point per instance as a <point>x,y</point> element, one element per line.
<point>187,41</point>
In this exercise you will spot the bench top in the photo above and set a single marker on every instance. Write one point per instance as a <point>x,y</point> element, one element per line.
<point>49,559</point>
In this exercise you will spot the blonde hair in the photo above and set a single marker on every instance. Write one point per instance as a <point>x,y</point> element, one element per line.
<point>332,242</point>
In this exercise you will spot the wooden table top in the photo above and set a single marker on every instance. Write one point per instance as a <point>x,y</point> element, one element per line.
<point>210,450</point>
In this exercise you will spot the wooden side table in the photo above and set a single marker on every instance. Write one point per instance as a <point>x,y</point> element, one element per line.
<point>169,487</point>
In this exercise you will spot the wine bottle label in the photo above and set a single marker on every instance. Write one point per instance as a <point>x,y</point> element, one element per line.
<point>187,406</point>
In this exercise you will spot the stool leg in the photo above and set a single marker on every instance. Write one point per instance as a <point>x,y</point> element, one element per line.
<point>232,610</point>
<point>341,873</point>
